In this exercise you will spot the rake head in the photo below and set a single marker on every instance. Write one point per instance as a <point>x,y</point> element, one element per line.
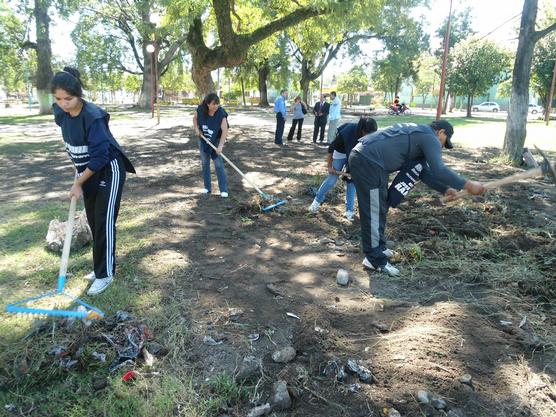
<point>50,303</point>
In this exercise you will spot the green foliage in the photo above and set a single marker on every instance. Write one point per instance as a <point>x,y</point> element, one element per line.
<point>399,60</point>
<point>426,75</point>
<point>543,66</point>
<point>460,29</point>
<point>14,61</point>
<point>355,81</point>
<point>475,66</point>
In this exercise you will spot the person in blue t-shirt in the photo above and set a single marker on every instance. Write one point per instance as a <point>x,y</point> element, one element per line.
<point>211,121</point>
<point>101,169</point>
<point>281,113</point>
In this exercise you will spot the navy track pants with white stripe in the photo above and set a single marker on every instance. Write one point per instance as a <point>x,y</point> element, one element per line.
<point>371,184</point>
<point>102,194</point>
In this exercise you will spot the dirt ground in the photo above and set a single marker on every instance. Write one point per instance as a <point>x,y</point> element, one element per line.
<point>476,294</point>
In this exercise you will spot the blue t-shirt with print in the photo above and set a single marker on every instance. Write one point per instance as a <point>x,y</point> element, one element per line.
<point>210,126</point>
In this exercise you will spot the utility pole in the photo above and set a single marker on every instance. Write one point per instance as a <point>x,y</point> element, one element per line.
<point>444,62</point>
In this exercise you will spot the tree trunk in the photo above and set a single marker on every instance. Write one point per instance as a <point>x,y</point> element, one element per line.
<point>469,101</point>
<point>44,56</point>
<point>148,94</point>
<point>263,72</point>
<point>243,91</point>
<point>516,122</point>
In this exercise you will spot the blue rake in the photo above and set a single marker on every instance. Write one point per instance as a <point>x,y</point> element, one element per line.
<point>264,195</point>
<point>55,297</point>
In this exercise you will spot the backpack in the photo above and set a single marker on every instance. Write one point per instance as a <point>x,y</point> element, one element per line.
<point>303,109</point>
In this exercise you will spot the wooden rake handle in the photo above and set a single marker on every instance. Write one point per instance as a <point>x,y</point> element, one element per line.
<point>67,244</point>
<point>491,185</point>
<point>235,167</point>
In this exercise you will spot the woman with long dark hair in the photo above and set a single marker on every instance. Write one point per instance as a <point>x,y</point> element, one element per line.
<point>211,121</point>
<point>101,169</point>
<point>338,154</point>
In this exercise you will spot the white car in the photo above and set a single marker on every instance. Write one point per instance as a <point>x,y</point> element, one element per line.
<point>486,106</point>
<point>534,109</point>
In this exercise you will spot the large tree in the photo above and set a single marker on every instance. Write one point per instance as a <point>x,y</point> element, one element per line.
<point>239,28</point>
<point>39,11</point>
<point>516,123</point>
<point>354,81</point>
<point>475,66</point>
<point>13,61</point>
<point>399,60</point>
<point>126,29</point>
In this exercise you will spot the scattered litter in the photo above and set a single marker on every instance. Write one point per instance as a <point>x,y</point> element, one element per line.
<point>354,387</point>
<point>319,329</point>
<point>522,322</point>
<point>234,312</point>
<point>123,316</point>
<point>99,356</point>
<point>294,316</point>
<point>129,375</point>
<point>253,337</point>
<point>10,407</point>
<point>148,357</point>
<point>135,337</point>
<point>505,323</point>
<point>57,350</point>
<point>68,363</point>
<point>209,341</point>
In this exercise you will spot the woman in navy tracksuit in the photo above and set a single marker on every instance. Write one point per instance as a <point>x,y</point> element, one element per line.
<point>101,169</point>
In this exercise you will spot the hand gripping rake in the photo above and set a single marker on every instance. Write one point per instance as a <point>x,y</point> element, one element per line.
<point>39,305</point>
<point>264,195</point>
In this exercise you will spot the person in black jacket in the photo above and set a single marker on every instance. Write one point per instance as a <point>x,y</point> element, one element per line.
<point>338,154</point>
<point>320,110</point>
<point>101,169</point>
<point>398,148</point>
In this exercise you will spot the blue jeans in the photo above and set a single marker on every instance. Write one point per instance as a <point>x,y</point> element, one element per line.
<point>330,181</point>
<point>218,167</point>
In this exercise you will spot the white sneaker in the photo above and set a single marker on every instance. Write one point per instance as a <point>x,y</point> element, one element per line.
<point>205,191</point>
<point>99,285</point>
<point>390,270</point>
<point>314,207</point>
<point>349,215</point>
<point>367,264</point>
<point>90,276</point>
<point>388,253</point>
<point>224,194</point>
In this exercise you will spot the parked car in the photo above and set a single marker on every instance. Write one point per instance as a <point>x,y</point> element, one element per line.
<point>535,108</point>
<point>486,106</point>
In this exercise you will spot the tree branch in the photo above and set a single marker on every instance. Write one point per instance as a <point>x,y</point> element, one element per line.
<point>289,20</point>
<point>539,34</point>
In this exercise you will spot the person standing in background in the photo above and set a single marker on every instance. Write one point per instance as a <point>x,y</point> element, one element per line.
<point>299,110</point>
<point>281,111</point>
<point>333,117</point>
<point>320,110</point>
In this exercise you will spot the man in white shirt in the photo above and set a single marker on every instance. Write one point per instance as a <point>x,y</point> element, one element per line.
<point>333,116</point>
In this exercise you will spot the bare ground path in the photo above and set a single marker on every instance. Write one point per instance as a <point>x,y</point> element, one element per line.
<point>465,268</point>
